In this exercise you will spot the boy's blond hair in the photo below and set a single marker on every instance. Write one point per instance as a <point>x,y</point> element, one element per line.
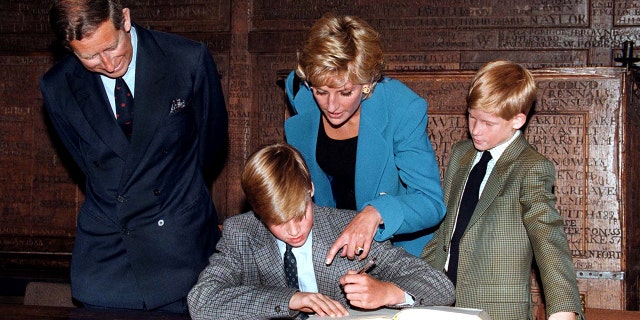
<point>502,88</point>
<point>277,183</point>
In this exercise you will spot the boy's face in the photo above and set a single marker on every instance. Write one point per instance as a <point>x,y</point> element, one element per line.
<point>295,231</point>
<point>488,130</point>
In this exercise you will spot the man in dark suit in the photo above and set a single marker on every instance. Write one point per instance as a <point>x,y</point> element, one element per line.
<point>247,278</point>
<point>148,223</point>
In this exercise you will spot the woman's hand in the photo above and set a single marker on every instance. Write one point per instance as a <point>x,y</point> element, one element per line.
<point>356,238</point>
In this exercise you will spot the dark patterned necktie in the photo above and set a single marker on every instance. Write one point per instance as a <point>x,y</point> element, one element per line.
<point>290,268</point>
<point>124,106</point>
<point>467,206</point>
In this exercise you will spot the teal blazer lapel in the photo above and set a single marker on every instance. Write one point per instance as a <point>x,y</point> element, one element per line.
<point>371,147</point>
<point>305,138</point>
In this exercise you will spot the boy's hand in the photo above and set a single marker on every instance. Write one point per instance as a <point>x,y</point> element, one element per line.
<point>366,292</point>
<point>317,303</point>
<point>358,234</point>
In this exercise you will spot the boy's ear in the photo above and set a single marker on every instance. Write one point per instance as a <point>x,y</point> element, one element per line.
<point>518,121</point>
<point>313,189</point>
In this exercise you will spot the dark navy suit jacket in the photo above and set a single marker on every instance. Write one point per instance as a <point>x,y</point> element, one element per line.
<point>148,224</point>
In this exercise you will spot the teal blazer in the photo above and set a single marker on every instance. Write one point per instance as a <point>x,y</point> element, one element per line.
<point>396,169</point>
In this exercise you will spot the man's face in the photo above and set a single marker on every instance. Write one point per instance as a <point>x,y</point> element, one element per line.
<point>488,130</point>
<point>107,50</point>
<point>295,231</point>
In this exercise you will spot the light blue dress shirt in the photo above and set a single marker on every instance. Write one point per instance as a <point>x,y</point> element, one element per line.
<point>129,77</point>
<point>304,263</point>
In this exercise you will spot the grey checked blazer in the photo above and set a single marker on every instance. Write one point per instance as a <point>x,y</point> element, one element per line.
<point>515,220</point>
<point>245,279</point>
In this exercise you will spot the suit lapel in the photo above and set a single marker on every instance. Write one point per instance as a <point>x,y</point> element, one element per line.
<point>266,249</point>
<point>152,101</point>
<point>153,85</point>
<point>321,228</point>
<point>371,149</point>
<point>497,177</point>
<point>460,178</point>
<point>322,235</point>
<point>96,109</point>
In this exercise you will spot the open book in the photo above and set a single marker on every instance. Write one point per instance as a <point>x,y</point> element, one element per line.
<point>435,312</point>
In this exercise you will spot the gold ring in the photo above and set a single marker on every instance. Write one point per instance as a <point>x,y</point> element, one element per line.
<point>359,250</point>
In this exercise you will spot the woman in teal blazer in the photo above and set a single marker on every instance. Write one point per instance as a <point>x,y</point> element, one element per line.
<point>396,183</point>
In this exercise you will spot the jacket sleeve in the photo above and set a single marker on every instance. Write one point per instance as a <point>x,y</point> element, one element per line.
<point>212,116</point>
<point>426,285</point>
<point>230,288</point>
<point>546,233</point>
<point>67,133</point>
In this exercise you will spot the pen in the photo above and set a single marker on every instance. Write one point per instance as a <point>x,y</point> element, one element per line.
<point>367,266</point>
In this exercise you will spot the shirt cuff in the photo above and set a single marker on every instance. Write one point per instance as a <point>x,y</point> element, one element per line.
<point>408,301</point>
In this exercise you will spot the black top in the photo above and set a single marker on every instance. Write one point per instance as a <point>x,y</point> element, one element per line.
<point>337,158</point>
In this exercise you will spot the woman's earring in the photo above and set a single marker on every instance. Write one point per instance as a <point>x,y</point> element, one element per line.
<point>366,89</point>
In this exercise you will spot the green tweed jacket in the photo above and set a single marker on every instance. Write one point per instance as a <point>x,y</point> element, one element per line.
<point>515,220</point>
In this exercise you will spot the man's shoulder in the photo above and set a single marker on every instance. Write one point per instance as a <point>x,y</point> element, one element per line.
<point>169,41</point>
<point>66,65</point>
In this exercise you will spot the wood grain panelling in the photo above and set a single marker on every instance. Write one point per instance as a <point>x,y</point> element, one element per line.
<point>254,43</point>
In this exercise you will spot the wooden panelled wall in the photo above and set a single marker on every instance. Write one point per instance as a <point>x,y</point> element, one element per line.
<point>253,42</point>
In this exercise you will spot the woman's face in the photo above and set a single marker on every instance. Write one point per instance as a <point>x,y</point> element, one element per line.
<point>341,104</point>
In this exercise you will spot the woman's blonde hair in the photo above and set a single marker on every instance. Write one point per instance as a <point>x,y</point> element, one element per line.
<point>340,48</point>
<point>502,88</point>
<point>277,183</point>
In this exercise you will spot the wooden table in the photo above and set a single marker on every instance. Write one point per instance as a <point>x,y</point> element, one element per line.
<point>22,312</point>
<point>604,314</point>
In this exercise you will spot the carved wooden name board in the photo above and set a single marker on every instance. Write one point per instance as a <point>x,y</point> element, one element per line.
<point>39,197</point>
